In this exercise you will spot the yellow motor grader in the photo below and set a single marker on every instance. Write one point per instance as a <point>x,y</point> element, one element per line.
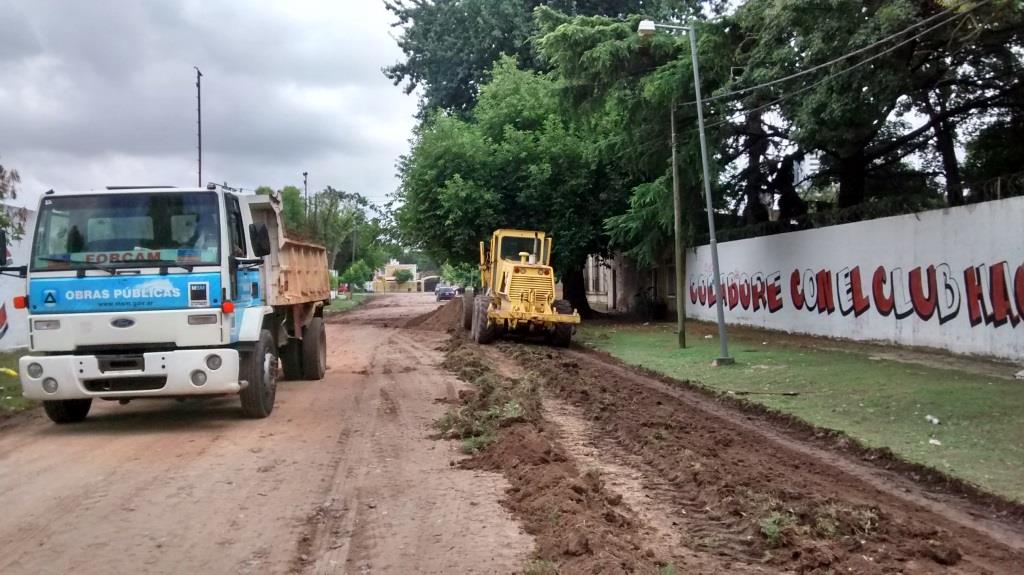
<point>518,287</point>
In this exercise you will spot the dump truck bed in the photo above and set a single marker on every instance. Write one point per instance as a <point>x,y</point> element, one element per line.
<point>298,270</point>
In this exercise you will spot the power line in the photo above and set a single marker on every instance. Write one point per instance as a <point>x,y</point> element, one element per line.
<point>841,72</point>
<point>856,52</point>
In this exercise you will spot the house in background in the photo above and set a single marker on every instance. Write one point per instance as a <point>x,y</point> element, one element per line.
<point>612,283</point>
<point>384,279</point>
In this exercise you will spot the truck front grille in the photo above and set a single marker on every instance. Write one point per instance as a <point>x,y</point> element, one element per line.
<point>521,286</point>
<point>142,383</point>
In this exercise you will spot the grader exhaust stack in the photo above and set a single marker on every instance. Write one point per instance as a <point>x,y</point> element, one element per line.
<point>519,291</point>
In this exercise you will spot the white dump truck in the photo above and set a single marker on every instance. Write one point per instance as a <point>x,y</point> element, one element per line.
<point>167,292</point>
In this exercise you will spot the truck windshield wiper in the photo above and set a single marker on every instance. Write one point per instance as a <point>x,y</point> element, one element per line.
<point>164,264</point>
<point>81,270</point>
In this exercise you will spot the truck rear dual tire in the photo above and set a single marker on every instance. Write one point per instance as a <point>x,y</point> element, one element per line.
<point>259,369</point>
<point>291,359</point>
<point>314,350</point>
<point>306,358</point>
<point>67,410</point>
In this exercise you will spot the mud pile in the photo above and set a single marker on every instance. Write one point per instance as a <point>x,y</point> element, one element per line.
<point>443,319</point>
<point>579,526</point>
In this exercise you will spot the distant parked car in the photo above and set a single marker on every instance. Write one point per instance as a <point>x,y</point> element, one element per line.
<point>445,293</point>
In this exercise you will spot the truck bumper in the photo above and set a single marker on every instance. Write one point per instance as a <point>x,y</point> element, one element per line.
<point>528,317</point>
<point>161,374</point>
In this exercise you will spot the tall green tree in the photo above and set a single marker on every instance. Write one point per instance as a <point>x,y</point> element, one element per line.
<point>332,216</point>
<point>519,163</point>
<point>451,45</point>
<point>12,222</point>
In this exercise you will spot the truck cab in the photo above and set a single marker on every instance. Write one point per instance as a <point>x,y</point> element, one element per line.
<point>155,292</point>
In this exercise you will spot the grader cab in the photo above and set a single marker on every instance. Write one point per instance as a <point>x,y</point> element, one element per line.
<point>518,287</point>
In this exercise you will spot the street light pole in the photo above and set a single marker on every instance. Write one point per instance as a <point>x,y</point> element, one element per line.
<point>723,341</point>
<point>648,28</point>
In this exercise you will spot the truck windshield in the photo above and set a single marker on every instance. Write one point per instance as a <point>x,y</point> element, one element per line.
<point>127,230</point>
<point>511,246</point>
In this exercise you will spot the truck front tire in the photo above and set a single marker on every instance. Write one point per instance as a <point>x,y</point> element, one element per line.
<point>314,350</point>
<point>67,410</point>
<point>259,368</point>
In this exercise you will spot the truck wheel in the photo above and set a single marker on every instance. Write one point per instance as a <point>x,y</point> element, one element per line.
<point>562,335</point>
<point>314,350</point>
<point>482,333</point>
<point>467,310</point>
<point>291,359</point>
<point>259,368</point>
<point>67,410</point>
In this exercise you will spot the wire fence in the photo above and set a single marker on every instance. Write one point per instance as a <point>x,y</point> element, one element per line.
<point>993,189</point>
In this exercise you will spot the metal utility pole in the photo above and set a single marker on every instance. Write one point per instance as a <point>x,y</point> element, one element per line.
<point>355,230</point>
<point>648,28</point>
<point>677,201</point>
<point>305,191</point>
<point>199,122</point>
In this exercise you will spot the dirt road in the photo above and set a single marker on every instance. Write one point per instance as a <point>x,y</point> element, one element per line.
<point>342,478</point>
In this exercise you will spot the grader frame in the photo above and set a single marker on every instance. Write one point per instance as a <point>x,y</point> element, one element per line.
<point>518,286</point>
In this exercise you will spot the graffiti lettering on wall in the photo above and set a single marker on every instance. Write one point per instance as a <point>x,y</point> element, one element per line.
<point>991,294</point>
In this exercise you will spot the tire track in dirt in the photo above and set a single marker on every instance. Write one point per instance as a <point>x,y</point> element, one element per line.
<point>957,510</point>
<point>661,523</point>
<point>396,504</point>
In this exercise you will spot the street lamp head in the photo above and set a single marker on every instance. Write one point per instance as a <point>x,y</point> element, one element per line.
<point>646,28</point>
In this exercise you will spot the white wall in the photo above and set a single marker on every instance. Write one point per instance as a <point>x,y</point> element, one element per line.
<point>950,279</point>
<point>14,329</point>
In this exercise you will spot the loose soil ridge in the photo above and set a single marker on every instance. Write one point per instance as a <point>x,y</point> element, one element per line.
<point>752,501</point>
<point>742,497</point>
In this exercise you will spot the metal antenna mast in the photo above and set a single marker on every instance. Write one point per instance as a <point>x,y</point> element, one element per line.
<point>199,121</point>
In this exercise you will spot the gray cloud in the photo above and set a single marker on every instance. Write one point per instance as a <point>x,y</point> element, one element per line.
<point>102,92</point>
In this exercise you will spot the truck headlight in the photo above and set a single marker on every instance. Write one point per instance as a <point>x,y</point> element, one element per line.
<point>204,319</point>
<point>198,378</point>
<point>50,385</point>
<point>46,324</point>
<point>214,362</point>
<point>35,371</point>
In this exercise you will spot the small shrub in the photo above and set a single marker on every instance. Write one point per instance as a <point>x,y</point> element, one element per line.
<point>476,444</point>
<point>540,567</point>
<point>775,528</point>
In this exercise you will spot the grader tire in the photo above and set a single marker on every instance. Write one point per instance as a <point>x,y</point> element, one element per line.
<point>482,333</point>
<point>467,310</point>
<point>562,334</point>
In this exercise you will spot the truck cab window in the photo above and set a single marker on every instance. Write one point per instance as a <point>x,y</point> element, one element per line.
<point>235,228</point>
<point>127,230</point>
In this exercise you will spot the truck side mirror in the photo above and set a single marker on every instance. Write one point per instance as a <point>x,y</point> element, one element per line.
<point>260,237</point>
<point>3,248</point>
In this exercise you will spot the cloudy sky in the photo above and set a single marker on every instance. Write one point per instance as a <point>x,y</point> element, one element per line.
<point>102,92</point>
